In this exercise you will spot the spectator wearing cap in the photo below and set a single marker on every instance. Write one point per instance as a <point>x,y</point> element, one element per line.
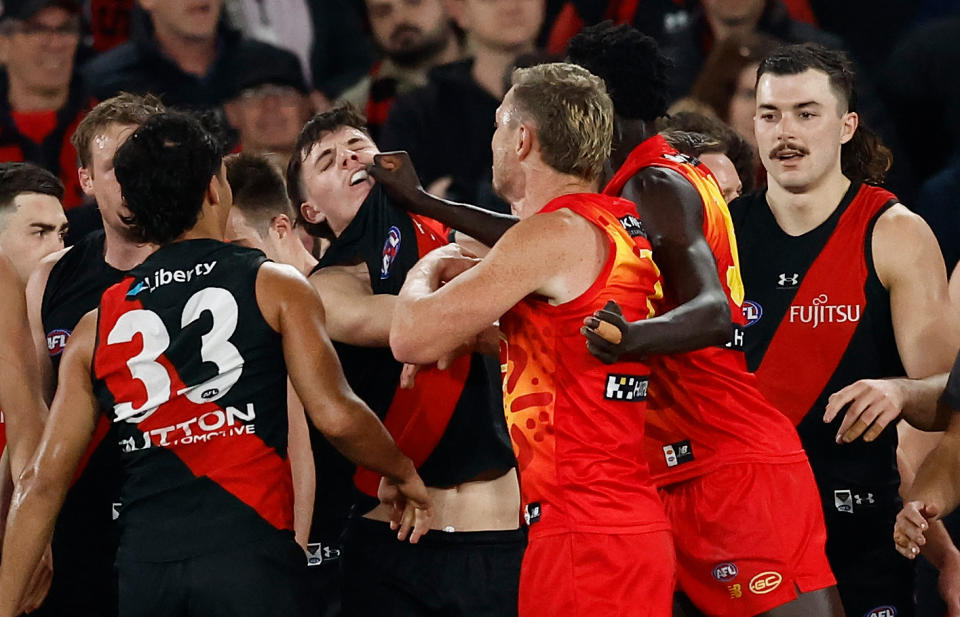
<point>41,98</point>
<point>180,50</point>
<point>269,105</point>
<point>412,36</point>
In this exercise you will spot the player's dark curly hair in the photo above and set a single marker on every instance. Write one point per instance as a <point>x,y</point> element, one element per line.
<point>864,158</point>
<point>630,63</point>
<point>164,169</point>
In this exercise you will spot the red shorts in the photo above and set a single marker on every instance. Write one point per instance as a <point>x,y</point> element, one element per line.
<point>592,574</point>
<point>748,537</point>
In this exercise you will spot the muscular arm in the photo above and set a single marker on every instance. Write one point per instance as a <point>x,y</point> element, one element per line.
<point>42,487</point>
<point>302,468</point>
<point>431,320</point>
<point>672,212</point>
<point>394,170</point>
<point>354,314</point>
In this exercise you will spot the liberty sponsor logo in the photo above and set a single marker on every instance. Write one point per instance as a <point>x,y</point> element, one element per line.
<point>162,277</point>
<point>752,312</point>
<point>765,582</point>
<point>678,454</point>
<point>725,572</point>
<point>391,247</point>
<point>216,424</point>
<point>882,611</point>
<point>820,312</point>
<point>633,225</point>
<point>788,281</point>
<point>626,388</point>
<point>56,341</point>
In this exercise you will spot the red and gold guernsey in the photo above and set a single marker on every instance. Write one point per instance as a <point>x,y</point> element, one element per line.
<point>576,423</point>
<point>705,408</point>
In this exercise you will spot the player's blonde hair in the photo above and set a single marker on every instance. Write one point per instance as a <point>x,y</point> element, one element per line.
<point>572,113</point>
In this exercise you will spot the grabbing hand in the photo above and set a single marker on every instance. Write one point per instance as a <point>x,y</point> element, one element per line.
<point>912,522</point>
<point>410,506</point>
<point>605,332</point>
<point>451,261</point>
<point>873,405</point>
<point>39,584</point>
<point>394,170</point>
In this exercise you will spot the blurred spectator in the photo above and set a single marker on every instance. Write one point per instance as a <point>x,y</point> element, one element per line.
<point>108,23</point>
<point>180,50</point>
<point>41,98</point>
<point>727,83</point>
<point>937,204</point>
<point>715,20</point>
<point>731,144</point>
<point>447,125</point>
<point>412,36</point>
<point>269,104</point>
<point>327,36</point>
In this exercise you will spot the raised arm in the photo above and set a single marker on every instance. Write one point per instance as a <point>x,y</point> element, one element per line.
<point>672,213</point>
<point>394,170</point>
<point>43,485</point>
<point>292,307</point>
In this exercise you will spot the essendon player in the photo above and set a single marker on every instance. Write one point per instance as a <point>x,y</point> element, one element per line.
<point>599,542</point>
<point>844,284</point>
<point>450,422</point>
<point>199,411</point>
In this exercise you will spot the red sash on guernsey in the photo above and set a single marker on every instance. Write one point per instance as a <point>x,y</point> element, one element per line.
<point>794,387</point>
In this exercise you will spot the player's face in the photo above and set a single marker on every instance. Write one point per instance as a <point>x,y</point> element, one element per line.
<point>800,127</point>
<point>99,180</point>
<point>506,172</point>
<point>334,172</point>
<point>192,19</point>
<point>405,26</point>
<point>269,117</point>
<point>743,104</point>
<point>502,24</point>
<point>33,229</point>
<point>40,52</point>
<point>726,174</point>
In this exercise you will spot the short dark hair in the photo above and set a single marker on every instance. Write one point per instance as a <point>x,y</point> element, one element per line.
<point>737,149</point>
<point>312,132</point>
<point>125,108</point>
<point>19,178</point>
<point>258,189</point>
<point>864,158</point>
<point>631,64</point>
<point>164,169</point>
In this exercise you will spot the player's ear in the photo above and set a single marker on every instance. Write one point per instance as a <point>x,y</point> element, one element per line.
<point>850,123</point>
<point>525,139</point>
<point>86,180</point>
<point>281,225</point>
<point>311,214</point>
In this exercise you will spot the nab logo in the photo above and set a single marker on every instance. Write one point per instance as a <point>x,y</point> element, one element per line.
<point>788,282</point>
<point>882,611</point>
<point>725,572</point>
<point>391,246</point>
<point>752,312</point>
<point>626,388</point>
<point>56,341</point>
<point>765,582</point>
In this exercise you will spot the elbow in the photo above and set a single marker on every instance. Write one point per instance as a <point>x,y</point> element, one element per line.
<point>718,324</point>
<point>410,342</point>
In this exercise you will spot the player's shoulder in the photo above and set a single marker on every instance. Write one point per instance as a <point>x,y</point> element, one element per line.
<point>898,224</point>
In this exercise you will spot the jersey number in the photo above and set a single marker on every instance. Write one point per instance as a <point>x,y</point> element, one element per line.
<point>215,347</point>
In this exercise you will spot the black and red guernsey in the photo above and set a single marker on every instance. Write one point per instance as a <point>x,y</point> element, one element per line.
<point>818,320</point>
<point>193,379</point>
<point>451,423</point>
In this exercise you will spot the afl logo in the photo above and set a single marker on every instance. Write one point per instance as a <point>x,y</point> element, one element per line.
<point>882,611</point>
<point>390,249</point>
<point>56,341</point>
<point>752,312</point>
<point>765,582</point>
<point>725,572</point>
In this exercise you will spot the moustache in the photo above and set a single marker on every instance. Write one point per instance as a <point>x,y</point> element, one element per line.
<point>788,146</point>
<point>402,31</point>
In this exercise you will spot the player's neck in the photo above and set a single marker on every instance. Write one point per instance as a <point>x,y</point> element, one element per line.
<point>121,253</point>
<point>543,185</point>
<point>800,212</point>
<point>628,134</point>
<point>298,256</point>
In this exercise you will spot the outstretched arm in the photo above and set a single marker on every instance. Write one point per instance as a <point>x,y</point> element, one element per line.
<point>671,210</point>
<point>43,486</point>
<point>394,170</point>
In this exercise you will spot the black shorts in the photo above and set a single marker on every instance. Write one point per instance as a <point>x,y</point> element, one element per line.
<point>266,578</point>
<point>468,574</point>
<point>873,579</point>
<point>323,561</point>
